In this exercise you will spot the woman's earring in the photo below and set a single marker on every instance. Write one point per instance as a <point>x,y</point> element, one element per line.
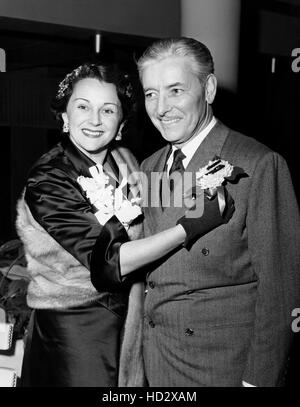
<point>119,135</point>
<point>66,128</point>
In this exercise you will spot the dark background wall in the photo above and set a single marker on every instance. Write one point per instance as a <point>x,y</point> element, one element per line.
<point>40,50</point>
<point>268,99</point>
<point>44,40</point>
<point>134,17</point>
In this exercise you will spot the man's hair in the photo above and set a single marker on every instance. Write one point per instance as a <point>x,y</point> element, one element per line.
<point>181,46</point>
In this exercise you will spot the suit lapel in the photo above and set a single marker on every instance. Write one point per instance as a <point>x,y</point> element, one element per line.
<point>160,164</point>
<point>212,145</point>
<point>154,208</point>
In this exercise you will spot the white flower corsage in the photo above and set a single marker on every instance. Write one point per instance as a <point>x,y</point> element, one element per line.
<point>108,200</point>
<point>215,174</point>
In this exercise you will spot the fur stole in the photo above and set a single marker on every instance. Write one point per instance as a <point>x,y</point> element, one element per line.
<point>131,367</point>
<point>58,280</point>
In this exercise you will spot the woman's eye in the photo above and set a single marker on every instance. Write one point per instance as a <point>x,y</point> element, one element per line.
<point>108,111</point>
<point>82,107</point>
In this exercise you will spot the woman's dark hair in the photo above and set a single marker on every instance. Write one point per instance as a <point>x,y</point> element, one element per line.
<point>104,73</point>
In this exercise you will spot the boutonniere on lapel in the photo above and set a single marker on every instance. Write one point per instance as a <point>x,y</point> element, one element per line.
<point>109,201</point>
<point>216,173</point>
<point>210,184</point>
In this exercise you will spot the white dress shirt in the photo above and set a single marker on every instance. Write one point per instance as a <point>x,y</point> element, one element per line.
<point>191,147</point>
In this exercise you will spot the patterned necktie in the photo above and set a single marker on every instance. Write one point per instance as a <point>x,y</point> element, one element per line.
<point>176,166</point>
<point>177,162</point>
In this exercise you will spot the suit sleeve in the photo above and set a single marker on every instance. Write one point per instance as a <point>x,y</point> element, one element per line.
<point>58,205</point>
<point>274,243</point>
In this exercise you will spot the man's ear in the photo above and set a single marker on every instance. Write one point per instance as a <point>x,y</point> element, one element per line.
<point>210,88</point>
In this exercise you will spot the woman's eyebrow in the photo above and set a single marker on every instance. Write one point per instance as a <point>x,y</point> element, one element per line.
<point>82,99</point>
<point>106,103</point>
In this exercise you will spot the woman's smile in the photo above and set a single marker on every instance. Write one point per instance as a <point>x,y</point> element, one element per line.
<point>92,133</point>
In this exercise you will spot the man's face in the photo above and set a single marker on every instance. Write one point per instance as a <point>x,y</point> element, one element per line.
<point>174,98</point>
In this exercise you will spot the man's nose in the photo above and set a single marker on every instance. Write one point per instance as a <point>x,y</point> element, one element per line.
<point>163,105</point>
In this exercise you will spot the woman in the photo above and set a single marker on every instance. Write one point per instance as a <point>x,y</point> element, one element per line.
<point>76,222</point>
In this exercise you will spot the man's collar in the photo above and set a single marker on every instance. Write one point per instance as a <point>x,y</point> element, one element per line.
<point>191,147</point>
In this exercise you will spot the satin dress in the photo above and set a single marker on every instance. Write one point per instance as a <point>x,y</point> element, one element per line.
<point>75,346</point>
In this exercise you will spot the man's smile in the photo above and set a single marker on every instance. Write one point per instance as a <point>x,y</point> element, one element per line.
<point>169,121</point>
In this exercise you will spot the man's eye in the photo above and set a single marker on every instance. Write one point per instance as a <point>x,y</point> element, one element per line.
<point>149,95</point>
<point>176,91</point>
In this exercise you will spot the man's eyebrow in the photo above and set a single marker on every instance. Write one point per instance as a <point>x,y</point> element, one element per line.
<point>175,84</point>
<point>171,85</point>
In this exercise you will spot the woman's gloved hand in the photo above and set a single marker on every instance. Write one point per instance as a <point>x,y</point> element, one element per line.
<point>206,212</point>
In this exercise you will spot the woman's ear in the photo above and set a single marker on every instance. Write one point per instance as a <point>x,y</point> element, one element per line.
<point>64,116</point>
<point>211,88</point>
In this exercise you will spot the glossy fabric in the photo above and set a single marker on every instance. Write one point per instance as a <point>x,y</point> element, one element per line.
<point>57,203</point>
<point>105,256</point>
<point>73,348</point>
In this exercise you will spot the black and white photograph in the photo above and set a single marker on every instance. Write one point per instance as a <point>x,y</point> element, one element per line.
<point>150,189</point>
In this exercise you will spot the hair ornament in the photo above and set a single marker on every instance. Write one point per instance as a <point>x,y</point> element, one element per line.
<point>65,83</point>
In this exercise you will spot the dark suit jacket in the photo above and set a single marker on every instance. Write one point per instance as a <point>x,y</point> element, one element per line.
<point>221,313</point>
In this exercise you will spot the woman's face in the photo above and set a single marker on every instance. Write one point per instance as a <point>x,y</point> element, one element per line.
<point>94,115</point>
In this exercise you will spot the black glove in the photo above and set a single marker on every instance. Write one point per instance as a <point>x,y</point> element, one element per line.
<point>211,218</point>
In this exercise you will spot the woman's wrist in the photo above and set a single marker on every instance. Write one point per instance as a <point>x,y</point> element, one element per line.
<point>179,229</point>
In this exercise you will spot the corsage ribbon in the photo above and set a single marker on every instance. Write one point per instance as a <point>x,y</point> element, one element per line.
<point>221,199</point>
<point>210,184</point>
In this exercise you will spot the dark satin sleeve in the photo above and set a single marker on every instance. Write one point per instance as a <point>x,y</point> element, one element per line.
<point>57,204</point>
<point>105,256</point>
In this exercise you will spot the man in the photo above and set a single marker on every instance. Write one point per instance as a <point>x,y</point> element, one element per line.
<point>218,313</point>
